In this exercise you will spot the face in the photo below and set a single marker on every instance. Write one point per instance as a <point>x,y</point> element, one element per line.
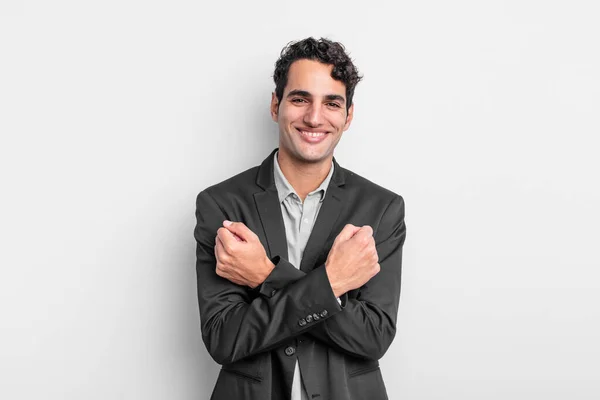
<point>312,114</point>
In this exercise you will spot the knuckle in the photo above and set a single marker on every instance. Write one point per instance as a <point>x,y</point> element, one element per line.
<point>375,256</point>
<point>232,247</point>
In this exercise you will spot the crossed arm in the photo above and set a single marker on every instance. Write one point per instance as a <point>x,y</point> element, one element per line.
<point>237,324</point>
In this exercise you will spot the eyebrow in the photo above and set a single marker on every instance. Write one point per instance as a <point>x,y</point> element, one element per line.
<point>336,97</point>
<point>304,93</point>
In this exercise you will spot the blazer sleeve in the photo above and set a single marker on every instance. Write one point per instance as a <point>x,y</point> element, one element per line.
<point>367,324</point>
<point>236,324</point>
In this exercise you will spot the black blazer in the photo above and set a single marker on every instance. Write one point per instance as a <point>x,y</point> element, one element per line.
<point>256,334</point>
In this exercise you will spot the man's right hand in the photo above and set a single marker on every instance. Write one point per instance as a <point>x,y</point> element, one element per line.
<point>352,260</point>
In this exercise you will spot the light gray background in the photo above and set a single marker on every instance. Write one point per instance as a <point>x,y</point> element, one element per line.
<point>483,115</point>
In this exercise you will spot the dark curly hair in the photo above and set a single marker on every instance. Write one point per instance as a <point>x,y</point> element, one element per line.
<point>324,51</point>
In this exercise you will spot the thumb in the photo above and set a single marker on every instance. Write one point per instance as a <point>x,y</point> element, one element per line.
<point>347,233</point>
<point>238,229</point>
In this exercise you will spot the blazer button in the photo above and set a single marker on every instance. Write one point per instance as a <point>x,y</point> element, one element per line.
<point>309,318</point>
<point>302,322</point>
<point>316,317</point>
<point>323,313</point>
<point>289,351</point>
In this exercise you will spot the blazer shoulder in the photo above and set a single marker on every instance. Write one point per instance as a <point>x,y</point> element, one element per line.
<point>243,183</point>
<point>385,207</point>
<point>365,186</point>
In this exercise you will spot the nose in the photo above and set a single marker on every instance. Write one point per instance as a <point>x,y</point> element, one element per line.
<point>313,116</point>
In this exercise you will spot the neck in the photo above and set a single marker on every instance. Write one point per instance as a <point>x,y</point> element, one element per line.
<point>304,177</point>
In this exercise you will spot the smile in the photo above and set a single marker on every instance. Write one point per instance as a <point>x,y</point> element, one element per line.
<point>312,137</point>
<point>313,134</point>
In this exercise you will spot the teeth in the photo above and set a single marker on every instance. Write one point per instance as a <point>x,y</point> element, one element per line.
<point>313,134</point>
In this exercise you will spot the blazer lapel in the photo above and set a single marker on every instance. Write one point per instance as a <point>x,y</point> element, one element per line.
<point>269,210</point>
<point>330,210</point>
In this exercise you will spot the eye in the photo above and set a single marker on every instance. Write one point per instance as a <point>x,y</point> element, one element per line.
<point>298,100</point>
<point>335,105</point>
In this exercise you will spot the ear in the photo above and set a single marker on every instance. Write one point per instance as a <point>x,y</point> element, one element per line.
<point>274,107</point>
<point>349,117</point>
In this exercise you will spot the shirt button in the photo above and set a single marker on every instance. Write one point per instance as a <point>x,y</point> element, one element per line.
<point>306,220</point>
<point>309,318</point>
<point>323,313</point>
<point>302,322</point>
<point>289,351</point>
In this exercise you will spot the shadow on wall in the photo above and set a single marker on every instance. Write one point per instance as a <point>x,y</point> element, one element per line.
<point>197,371</point>
<point>249,150</point>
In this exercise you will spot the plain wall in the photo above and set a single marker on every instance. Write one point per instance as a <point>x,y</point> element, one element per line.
<point>482,115</point>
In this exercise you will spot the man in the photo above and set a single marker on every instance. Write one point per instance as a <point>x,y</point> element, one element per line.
<point>299,259</point>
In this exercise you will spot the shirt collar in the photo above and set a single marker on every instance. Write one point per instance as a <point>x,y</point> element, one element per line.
<point>284,188</point>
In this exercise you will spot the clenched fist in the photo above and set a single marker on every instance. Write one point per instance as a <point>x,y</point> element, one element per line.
<point>241,257</point>
<point>352,260</point>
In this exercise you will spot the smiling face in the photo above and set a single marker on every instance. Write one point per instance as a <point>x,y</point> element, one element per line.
<point>312,113</point>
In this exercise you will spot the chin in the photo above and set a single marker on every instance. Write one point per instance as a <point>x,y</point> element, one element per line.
<point>312,157</point>
<point>306,153</point>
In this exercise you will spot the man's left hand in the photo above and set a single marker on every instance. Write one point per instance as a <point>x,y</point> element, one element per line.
<point>241,257</point>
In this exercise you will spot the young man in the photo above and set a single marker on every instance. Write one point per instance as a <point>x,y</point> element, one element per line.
<point>299,259</point>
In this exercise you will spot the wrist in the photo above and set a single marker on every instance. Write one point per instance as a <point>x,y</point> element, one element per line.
<point>268,268</point>
<point>336,287</point>
<point>261,274</point>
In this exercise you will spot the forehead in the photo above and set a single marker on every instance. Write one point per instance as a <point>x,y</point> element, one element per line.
<point>313,77</point>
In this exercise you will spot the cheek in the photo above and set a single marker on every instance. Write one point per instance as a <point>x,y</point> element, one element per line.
<point>289,115</point>
<point>338,121</point>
